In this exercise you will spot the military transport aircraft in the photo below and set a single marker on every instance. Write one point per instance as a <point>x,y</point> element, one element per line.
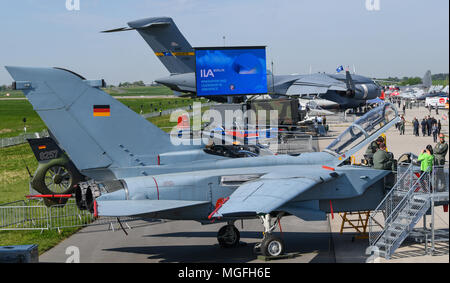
<point>177,55</point>
<point>133,169</point>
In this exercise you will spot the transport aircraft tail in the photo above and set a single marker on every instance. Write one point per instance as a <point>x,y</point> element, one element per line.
<point>166,40</point>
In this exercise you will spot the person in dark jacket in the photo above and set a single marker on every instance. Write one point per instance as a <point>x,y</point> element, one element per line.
<point>424,126</point>
<point>429,125</point>
<point>416,126</point>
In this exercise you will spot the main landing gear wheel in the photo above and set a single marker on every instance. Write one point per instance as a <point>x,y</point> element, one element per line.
<point>272,246</point>
<point>228,236</point>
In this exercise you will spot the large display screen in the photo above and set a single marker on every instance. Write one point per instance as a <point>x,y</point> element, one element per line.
<point>230,71</point>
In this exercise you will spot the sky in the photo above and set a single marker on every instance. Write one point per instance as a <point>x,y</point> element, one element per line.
<point>395,38</point>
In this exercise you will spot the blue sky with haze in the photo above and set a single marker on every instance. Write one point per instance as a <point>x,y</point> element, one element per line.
<point>403,38</point>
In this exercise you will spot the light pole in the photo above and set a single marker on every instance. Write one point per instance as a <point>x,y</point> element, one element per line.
<point>24,124</point>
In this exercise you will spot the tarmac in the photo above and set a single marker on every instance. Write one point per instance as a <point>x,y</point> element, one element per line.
<point>189,241</point>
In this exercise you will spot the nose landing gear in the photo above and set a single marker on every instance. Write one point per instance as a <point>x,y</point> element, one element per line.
<point>270,244</point>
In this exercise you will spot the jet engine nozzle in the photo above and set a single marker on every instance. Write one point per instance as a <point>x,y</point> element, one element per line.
<point>86,193</point>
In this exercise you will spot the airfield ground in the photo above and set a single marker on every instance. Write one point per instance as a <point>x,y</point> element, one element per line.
<point>178,241</point>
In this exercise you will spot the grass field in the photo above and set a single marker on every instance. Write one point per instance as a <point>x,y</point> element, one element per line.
<point>123,91</point>
<point>137,91</point>
<point>12,113</point>
<point>12,93</point>
<point>14,186</point>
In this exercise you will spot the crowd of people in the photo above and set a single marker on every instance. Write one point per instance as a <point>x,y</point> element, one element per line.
<point>429,125</point>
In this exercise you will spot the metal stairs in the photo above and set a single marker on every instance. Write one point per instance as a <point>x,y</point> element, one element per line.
<point>402,208</point>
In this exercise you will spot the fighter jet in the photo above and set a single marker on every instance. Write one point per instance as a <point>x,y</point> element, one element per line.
<point>133,169</point>
<point>171,47</point>
<point>425,85</point>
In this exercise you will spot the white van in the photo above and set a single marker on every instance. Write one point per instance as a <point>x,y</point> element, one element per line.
<point>433,101</point>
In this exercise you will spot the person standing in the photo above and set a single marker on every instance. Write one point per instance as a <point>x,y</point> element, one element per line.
<point>434,131</point>
<point>426,159</point>
<point>429,125</point>
<point>402,126</point>
<point>440,150</point>
<point>404,109</point>
<point>424,126</point>
<point>439,126</point>
<point>416,126</point>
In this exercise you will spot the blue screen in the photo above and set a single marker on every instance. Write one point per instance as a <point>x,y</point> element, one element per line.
<point>231,71</point>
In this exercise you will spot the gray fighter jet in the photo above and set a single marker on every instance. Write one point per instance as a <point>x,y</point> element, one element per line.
<point>177,55</point>
<point>133,169</point>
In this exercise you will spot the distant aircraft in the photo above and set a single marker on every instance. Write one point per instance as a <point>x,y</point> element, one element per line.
<point>170,46</point>
<point>133,169</point>
<point>425,85</point>
<point>418,91</point>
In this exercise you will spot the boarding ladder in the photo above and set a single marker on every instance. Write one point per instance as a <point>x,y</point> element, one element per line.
<point>402,208</point>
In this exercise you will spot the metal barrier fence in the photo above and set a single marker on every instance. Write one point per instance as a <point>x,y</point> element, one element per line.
<point>34,215</point>
<point>341,117</point>
<point>440,179</point>
<point>5,142</point>
<point>296,145</point>
<point>170,111</point>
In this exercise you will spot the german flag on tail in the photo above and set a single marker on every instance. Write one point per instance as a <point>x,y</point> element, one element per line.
<point>102,111</point>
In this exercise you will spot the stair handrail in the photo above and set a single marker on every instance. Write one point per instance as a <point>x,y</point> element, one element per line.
<point>372,241</point>
<point>409,194</point>
<point>404,202</point>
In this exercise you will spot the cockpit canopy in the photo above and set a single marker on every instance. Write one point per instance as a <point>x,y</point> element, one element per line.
<point>363,128</point>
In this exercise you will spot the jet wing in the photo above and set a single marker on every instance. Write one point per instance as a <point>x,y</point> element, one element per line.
<point>140,207</point>
<point>315,84</point>
<point>267,194</point>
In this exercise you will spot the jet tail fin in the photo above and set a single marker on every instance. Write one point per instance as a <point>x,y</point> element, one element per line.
<point>427,80</point>
<point>94,129</point>
<point>166,40</point>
